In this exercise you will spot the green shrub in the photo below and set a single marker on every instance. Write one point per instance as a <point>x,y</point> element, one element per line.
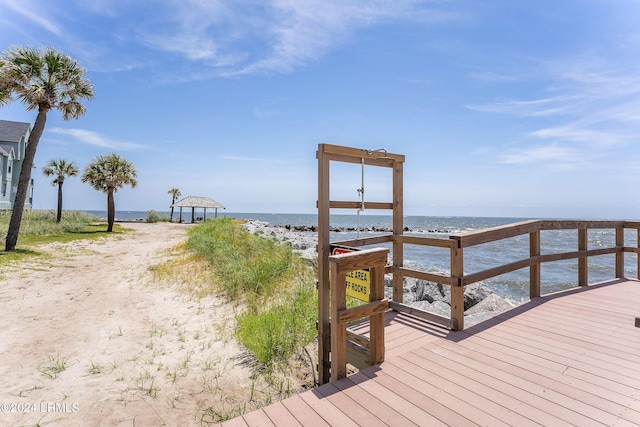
<point>274,334</point>
<point>154,216</point>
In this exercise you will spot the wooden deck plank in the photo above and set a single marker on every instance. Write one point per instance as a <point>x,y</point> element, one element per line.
<point>327,410</point>
<point>581,401</point>
<point>444,397</point>
<point>235,422</point>
<point>574,360</point>
<point>280,416</point>
<point>526,333</point>
<point>521,400</point>
<point>482,397</point>
<point>258,419</point>
<point>378,408</point>
<point>563,376</point>
<point>571,358</point>
<point>303,413</point>
<point>348,406</point>
<point>445,414</point>
<point>414,413</point>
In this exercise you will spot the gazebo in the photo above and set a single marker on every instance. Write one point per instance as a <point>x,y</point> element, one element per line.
<point>194,202</point>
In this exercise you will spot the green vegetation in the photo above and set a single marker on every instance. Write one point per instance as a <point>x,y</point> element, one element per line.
<point>277,332</point>
<point>40,227</point>
<point>276,285</point>
<point>247,266</point>
<point>155,216</point>
<point>43,80</point>
<point>108,173</point>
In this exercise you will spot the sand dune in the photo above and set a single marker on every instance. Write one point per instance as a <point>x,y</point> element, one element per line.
<point>87,339</point>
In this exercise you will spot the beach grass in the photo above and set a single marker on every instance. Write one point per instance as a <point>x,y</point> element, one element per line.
<point>40,227</point>
<point>275,285</point>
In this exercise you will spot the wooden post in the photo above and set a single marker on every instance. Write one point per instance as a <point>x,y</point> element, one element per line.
<point>324,327</point>
<point>620,255</point>
<point>457,290</point>
<point>338,330</point>
<point>583,262</point>
<point>534,269</point>
<point>376,322</point>
<point>398,230</point>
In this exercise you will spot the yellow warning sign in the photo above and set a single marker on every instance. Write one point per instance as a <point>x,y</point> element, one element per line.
<point>358,282</point>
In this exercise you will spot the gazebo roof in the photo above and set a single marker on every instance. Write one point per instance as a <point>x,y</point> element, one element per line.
<point>197,202</point>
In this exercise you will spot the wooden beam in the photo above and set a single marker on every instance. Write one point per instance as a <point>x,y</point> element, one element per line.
<point>347,154</point>
<point>426,241</point>
<point>338,204</point>
<point>359,260</point>
<point>366,241</point>
<point>365,310</point>
<point>421,314</point>
<point>422,275</point>
<point>324,327</point>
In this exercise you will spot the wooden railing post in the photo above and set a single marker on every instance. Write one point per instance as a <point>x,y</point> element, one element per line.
<point>620,254</point>
<point>583,264</point>
<point>376,322</point>
<point>457,289</point>
<point>338,330</point>
<point>534,269</point>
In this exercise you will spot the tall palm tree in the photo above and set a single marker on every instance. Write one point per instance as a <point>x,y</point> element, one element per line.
<point>175,193</point>
<point>108,173</point>
<point>60,169</point>
<point>43,79</point>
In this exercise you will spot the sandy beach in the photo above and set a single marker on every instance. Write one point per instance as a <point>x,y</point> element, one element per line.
<point>87,338</point>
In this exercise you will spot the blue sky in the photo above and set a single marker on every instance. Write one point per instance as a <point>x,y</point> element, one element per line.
<point>502,108</point>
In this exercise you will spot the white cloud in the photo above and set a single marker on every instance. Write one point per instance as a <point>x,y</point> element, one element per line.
<point>28,9</point>
<point>98,140</point>
<point>540,154</point>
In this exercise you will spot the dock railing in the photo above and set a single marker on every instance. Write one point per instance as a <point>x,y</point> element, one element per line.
<point>457,243</point>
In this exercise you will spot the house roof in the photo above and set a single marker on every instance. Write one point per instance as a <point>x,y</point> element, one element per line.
<point>197,202</point>
<point>6,149</point>
<point>13,131</point>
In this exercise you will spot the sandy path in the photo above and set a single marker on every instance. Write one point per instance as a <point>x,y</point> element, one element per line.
<point>87,340</point>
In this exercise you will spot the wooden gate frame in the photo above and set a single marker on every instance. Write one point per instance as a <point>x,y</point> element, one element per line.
<point>326,154</point>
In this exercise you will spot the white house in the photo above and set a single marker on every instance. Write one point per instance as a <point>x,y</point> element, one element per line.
<point>13,143</point>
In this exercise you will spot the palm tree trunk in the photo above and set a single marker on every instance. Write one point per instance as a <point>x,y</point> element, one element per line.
<point>25,178</point>
<point>173,201</point>
<point>59,201</point>
<point>111,210</point>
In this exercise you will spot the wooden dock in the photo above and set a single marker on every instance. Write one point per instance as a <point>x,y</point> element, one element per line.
<point>569,358</point>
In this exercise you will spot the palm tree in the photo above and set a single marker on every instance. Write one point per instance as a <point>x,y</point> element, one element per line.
<point>60,169</point>
<point>175,193</point>
<point>107,174</point>
<point>43,79</point>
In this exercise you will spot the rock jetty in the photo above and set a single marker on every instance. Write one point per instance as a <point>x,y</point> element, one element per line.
<point>480,302</point>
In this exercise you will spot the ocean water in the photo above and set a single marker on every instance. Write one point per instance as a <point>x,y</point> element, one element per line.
<point>555,276</point>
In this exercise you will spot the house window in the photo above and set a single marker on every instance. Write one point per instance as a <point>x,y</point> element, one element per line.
<point>4,189</point>
<point>9,167</point>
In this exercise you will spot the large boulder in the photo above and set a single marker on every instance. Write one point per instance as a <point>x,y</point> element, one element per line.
<point>492,303</point>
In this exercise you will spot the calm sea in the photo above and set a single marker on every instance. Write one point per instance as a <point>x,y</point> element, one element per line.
<point>555,276</point>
